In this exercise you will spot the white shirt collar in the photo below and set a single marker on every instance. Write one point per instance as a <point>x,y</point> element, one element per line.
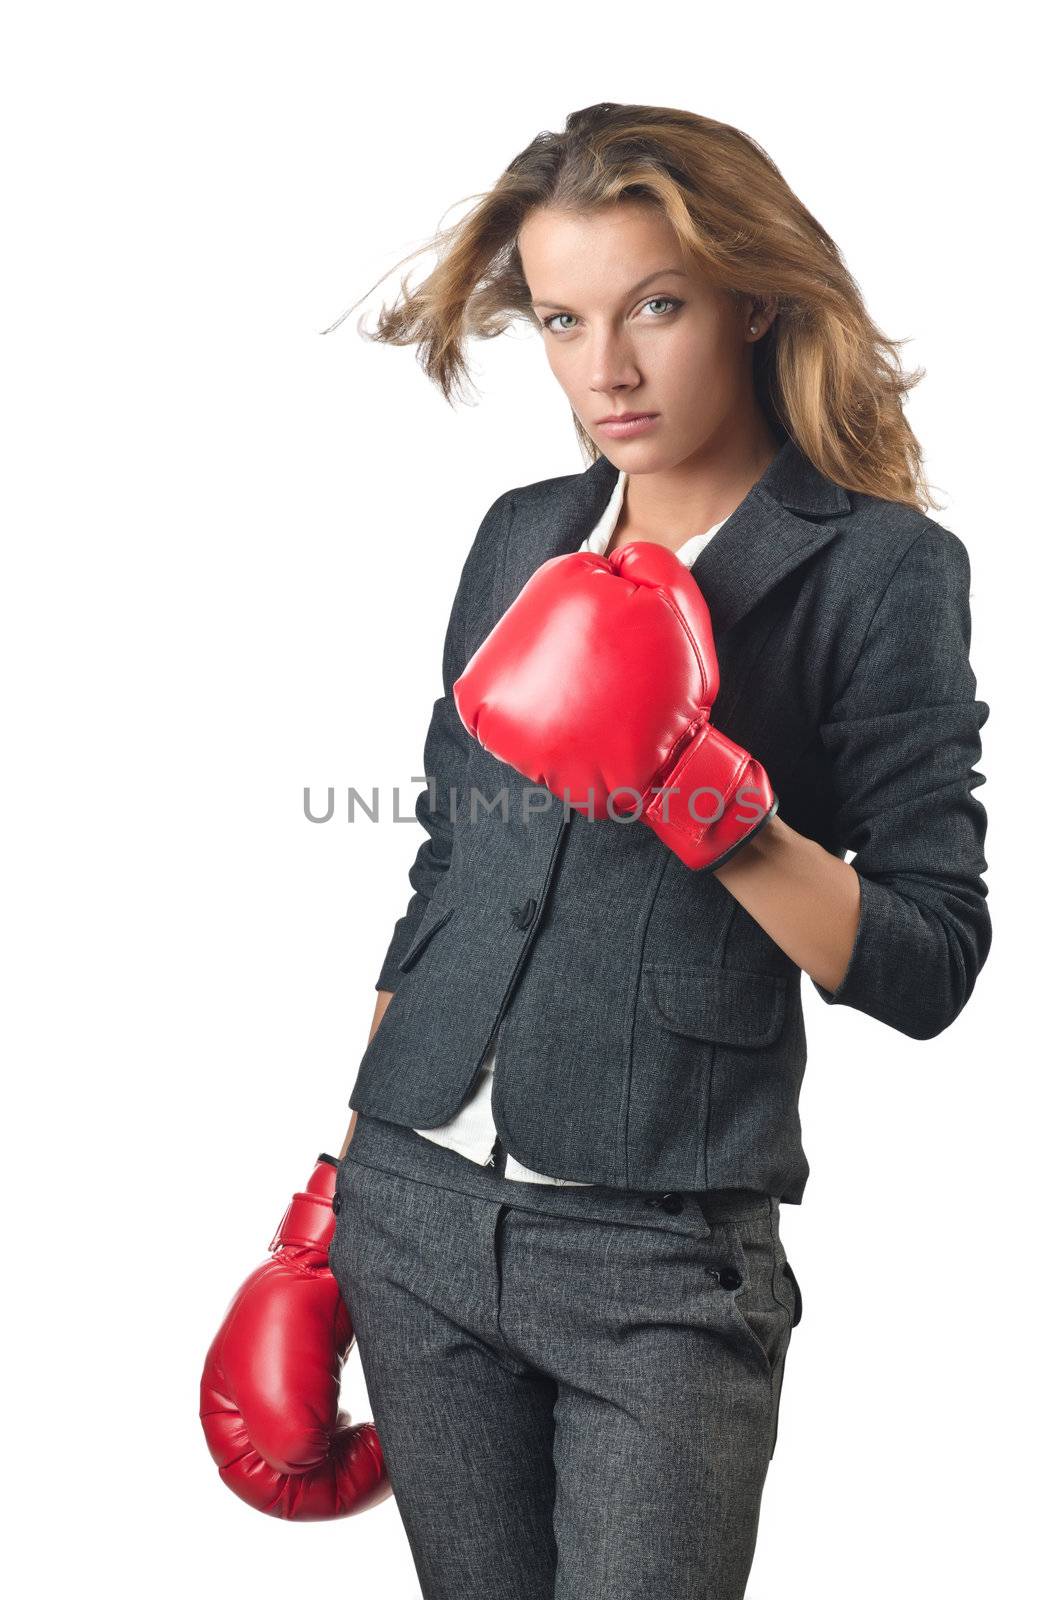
<point>599,539</point>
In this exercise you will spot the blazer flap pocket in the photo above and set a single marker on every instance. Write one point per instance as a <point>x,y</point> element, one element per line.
<point>730,1007</point>
<point>426,931</point>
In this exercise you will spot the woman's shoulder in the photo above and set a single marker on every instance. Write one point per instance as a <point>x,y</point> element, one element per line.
<point>895,586</point>
<point>536,505</point>
<point>524,496</point>
<point>879,536</point>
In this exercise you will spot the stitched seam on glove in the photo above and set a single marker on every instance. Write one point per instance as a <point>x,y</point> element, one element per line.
<point>693,641</point>
<point>687,736</point>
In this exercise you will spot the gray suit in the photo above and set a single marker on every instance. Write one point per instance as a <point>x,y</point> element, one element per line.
<point>651,1033</point>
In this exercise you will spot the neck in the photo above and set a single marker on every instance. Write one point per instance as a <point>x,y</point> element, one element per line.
<point>676,504</point>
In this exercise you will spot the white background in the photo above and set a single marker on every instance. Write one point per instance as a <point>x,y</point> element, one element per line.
<point>224,545</point>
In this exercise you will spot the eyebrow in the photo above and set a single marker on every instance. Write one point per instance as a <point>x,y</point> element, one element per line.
<point>663,272</point>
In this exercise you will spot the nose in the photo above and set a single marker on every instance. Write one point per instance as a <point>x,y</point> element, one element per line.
<point>612,369</point>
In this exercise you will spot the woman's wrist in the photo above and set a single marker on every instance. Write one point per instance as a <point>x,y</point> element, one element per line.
<point>767,846</point>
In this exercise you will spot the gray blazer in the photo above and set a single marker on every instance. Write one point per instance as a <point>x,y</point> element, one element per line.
<point>649,1033</point>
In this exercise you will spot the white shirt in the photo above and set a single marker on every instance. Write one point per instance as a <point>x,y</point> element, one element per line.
<point>472,1132</point>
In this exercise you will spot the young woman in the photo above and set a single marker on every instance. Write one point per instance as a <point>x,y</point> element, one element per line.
<point>576,1118</point>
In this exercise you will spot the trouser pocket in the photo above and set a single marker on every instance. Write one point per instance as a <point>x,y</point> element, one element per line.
<point>764,1296</point>
<point>790,1275</point>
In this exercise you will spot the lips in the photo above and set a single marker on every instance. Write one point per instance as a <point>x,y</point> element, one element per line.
<point>631,425</point>
<point>626,416</point>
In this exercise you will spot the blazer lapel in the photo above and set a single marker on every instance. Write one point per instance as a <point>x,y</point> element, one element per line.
<point>772,530</point>
<point>552,520</point>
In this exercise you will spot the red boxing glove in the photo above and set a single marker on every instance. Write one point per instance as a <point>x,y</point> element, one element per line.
<point>269,1395</point>
<point>599,681</point>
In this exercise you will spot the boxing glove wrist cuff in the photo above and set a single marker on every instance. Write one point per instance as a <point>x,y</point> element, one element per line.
<point>309,1221</point>
<point>713,797</point>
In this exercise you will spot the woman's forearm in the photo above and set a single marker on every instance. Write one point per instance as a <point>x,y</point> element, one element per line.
<point>383,999</point>
<point>806,900</point>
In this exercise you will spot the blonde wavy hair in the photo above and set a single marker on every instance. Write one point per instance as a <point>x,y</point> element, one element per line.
<point>824,373</point>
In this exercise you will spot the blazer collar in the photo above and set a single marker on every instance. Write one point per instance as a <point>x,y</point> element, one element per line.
<point>771,531</point>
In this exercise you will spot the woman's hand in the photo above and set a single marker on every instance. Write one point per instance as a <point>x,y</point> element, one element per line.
<point>269,1393</point>
<point>599,682</point>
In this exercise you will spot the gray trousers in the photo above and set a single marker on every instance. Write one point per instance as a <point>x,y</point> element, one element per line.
<point>576,1390</point>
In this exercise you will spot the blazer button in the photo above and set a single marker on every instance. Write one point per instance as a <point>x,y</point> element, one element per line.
<point>336,1202</point>
<point>523,915</point>
<point>729,1278</point>
<point>672,1203</point>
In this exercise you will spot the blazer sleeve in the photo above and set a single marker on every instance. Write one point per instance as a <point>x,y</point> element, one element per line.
<point>448,745</point>
<point>903,742</point>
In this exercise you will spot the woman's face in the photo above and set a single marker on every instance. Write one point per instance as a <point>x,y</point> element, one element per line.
<point>628,329</point>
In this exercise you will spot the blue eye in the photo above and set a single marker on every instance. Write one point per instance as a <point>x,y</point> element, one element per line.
<point>657,299</point>
<point>665,299</point>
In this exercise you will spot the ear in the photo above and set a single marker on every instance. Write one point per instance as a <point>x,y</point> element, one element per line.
<point>761,315</point>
